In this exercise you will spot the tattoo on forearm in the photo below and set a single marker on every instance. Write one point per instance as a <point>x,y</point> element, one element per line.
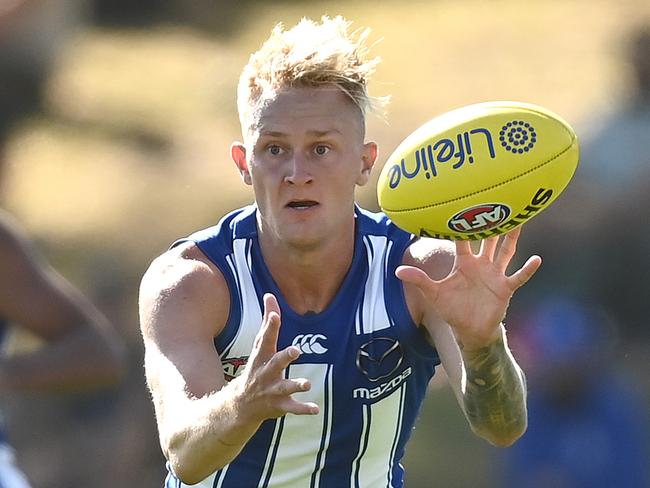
<point>494,396</point>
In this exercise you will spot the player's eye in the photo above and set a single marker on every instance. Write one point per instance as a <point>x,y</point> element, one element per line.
<point>274,149</point>
<point>321,150</point>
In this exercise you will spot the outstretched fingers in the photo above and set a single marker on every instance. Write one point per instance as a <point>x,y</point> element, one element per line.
<point>291,405</point>
<point>282,359</point>
<point>266,341</point>
<point>267,387</point>
<point>488,247</point>
<point>507,249</point>
<point>526,272</point>
<point>284,388</point>
<point>419,278</point>
<point>463,248</point>
<point>287,387</point>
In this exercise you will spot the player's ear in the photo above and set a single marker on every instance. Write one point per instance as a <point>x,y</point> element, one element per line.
<point>368,158</point>
<point>238,155</point>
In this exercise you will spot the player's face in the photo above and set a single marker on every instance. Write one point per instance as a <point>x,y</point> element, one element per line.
<point>304,157</point>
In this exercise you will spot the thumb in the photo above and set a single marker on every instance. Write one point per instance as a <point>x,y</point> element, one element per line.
<point>270,305</point>
<point>417,277</point>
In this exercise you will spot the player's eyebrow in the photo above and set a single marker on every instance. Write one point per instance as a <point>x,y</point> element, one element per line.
<point>272,133</point>
<point>324,133</point>
<point>314,133</point>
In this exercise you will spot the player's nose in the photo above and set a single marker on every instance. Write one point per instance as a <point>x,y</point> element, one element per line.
<point>298,170</point>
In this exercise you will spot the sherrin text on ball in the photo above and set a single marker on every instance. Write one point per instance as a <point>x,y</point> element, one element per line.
<point>478,171</point>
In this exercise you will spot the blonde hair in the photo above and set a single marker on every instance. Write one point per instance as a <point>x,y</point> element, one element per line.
<point>309,54</point>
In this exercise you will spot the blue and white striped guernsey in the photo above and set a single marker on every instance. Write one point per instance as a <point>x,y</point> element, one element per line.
<point>368,363</point>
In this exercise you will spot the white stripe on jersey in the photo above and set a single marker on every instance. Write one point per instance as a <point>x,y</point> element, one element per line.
<point>300,450</point>
<point>365,422</point>
<point>373,465</point>
<point>224,472</point>
<point>268,465</point>
<point>397,434</point>
<point>229,261</point>
<point>327,429</point>
<point>251,313</point>
<point>371,315</point>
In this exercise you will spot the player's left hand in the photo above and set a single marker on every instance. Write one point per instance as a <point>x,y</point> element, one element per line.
<point>474,296</point>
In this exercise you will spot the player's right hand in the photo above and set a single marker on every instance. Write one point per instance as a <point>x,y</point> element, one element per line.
<point>264,391</point>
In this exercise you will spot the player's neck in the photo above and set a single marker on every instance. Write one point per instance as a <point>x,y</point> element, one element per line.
<point>310,278</point>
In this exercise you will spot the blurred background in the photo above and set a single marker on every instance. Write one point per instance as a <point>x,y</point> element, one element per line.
<point>116,143</point>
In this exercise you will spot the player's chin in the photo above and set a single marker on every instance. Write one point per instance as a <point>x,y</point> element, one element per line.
<point>305,237</point>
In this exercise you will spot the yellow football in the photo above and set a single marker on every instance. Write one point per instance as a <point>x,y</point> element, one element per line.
<point>478,171</point>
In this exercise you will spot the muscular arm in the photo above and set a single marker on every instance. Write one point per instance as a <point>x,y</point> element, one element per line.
<point>203,422</point>
<point>183,305</point>
<point>488,383</point>
<point>495,392</point>
<point>80,349</point>
<point>486,379</point>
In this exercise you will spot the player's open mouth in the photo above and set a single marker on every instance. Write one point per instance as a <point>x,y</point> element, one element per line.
<point>301,204</point>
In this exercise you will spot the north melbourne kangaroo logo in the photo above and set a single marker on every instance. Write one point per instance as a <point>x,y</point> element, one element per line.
<point>308,343</point>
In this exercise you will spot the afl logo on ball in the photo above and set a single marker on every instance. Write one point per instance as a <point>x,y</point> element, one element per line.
<point>379,358</point>
<point>479,218</point>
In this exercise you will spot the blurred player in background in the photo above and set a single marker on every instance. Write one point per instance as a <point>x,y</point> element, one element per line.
<point>306,304</point>
<point>587,421</point>
<point>613,190</point>
<point>79,349</point>
<point>609,193</point>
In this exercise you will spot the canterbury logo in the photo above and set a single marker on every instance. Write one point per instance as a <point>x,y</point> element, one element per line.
<point>308,343</point>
